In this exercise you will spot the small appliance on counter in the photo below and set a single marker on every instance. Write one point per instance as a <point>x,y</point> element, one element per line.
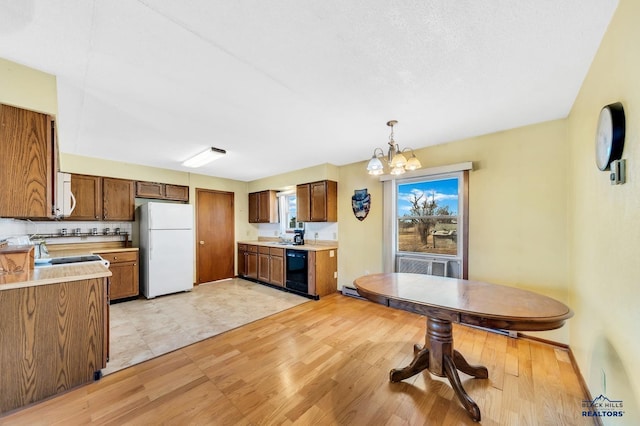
<point>298,237</point>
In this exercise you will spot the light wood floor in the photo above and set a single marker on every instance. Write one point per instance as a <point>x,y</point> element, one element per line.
<point>324,363</point>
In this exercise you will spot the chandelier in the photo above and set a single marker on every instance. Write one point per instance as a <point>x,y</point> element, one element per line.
<point>395,159</point>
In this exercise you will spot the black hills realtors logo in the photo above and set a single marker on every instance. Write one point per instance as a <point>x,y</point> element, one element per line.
<point>602,407</point>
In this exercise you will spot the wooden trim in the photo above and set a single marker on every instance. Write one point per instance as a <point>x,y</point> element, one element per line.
<point>465,225</point>
<point>585,389</point>
<point>430,171</point>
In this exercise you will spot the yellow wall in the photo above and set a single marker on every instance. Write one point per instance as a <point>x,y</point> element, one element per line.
<point>98,167</point>
<point>605,223</point>
<point>517,211</point>
<point>27,88</point>
<point>289,180</point>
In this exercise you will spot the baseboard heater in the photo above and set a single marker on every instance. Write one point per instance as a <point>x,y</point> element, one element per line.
<point>351,292</point>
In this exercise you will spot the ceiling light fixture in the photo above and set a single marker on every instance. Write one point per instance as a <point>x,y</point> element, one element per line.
<point>397,162</point>
<point>204,157</point>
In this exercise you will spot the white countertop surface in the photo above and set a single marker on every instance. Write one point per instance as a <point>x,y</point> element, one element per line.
<point>307,247</point>
<point>54,274</point>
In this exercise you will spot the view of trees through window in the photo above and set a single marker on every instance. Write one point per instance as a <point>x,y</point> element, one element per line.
<point>428,216</point>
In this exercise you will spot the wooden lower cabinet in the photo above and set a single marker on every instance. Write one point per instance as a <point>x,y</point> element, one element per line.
<point>322,272</point>
<point>125,281</point>
<point>263,264</point>
<point>248,261</point>
<point>271,265</point>
<point>53,338</point>
<point>268,265</point>
<point>276,266</point>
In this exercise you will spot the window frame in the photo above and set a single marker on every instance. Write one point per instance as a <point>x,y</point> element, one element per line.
<point>390,185</point>
<point>458,216</point>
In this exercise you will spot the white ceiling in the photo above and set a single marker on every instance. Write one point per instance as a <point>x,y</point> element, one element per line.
<point>283,85</point>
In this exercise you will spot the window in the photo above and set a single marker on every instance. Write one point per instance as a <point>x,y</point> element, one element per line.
<point>427,213</point>
<point>287,205</point>
<point>426,221</point>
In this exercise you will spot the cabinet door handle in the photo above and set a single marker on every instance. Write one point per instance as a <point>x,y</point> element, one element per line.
<point>201,243</point>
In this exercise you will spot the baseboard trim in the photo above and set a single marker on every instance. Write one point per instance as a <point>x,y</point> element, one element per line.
<point>585,389</point>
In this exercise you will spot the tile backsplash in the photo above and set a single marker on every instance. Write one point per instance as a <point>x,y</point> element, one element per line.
<point>326,231</point>
<point>16,227</point>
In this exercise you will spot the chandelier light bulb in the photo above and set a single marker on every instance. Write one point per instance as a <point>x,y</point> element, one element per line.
<point>395,159</point>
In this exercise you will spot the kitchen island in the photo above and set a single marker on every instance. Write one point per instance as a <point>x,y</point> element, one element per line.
<point>54,325</point>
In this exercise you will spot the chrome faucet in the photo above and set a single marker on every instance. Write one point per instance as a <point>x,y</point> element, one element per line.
<point>40,247</point>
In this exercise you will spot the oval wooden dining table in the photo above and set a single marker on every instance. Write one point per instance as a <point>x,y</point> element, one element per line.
<point>447,300</point>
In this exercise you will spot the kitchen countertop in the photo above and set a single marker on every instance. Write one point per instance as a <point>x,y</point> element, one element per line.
<point>54,274</point>
<point>307,247</point>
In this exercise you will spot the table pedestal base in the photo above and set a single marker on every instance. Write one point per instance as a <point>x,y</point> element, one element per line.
<point>439,357</point>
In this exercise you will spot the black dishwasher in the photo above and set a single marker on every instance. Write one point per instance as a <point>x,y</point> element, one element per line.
<point>297,271</point>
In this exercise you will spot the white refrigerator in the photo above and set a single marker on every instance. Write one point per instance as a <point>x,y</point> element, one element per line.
<point>166,248</point>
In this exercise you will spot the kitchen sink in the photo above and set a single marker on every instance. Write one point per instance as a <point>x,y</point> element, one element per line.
<point>70,259</point>
<point>74,259</point>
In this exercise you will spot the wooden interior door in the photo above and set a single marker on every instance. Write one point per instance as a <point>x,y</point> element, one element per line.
<point>215,235</point>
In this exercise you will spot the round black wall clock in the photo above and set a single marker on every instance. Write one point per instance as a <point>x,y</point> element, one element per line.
<point>610,135</point>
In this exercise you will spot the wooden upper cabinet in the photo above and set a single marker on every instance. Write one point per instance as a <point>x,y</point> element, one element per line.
<point>88,193</point>
<point>118,199</point>
<point>303,203</point>
<point>162,191</point>
<point>102,198</point>
<point>253,207</point>
<point>27,150</point>
<point>176,192</point>
<point>317,201</point>
<point>263,207</point>
<point>149,190</point>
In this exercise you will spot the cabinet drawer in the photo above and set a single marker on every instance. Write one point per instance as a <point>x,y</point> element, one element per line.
<point>121,256</point>
<point>274,251</point>
<point>242,247</point>
<point>252,249</point>
<point>263,250</point>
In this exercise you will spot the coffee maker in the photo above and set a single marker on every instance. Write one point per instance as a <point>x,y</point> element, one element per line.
<point>298,237</point>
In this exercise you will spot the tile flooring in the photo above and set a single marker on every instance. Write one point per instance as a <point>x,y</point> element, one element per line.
<point>143,329</point>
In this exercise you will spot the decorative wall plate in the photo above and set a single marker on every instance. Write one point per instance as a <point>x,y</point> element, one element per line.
<point>361,203</point>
